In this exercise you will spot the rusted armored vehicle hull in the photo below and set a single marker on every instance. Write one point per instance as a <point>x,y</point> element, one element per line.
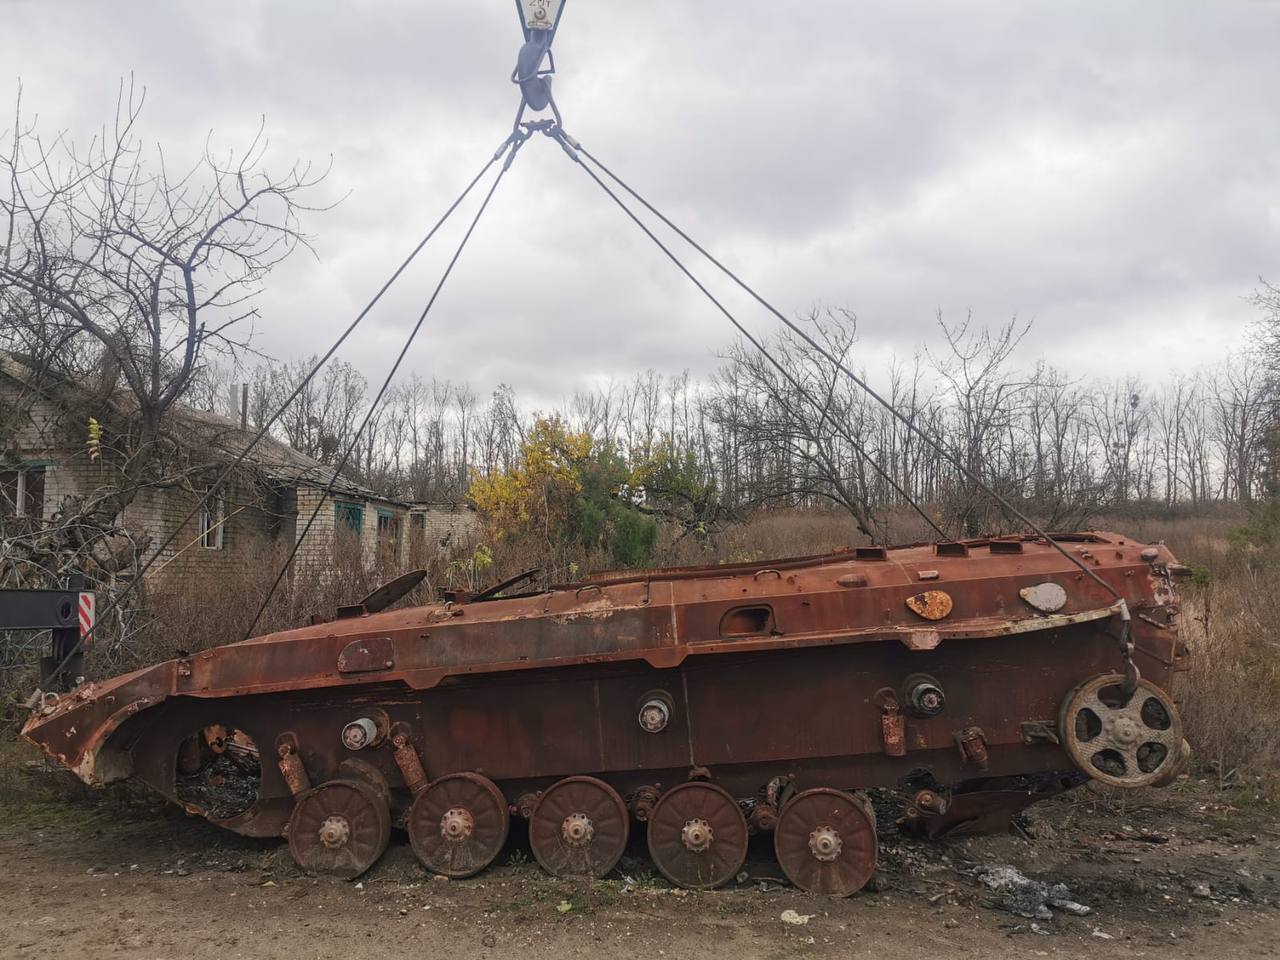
<point>708,703</point>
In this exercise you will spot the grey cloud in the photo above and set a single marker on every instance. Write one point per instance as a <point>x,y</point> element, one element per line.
<point>1108,170</point>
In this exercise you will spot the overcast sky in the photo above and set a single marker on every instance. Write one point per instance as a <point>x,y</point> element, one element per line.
<point>1110,171</point>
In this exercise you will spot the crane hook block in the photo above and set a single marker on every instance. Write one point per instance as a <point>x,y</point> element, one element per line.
<point>535,85</point>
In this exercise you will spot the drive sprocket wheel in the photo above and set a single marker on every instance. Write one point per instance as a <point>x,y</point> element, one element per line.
<point>825,841</point>
<point>1124,741</point>
<point>698,835</point>
<point>579,828</point>
<point>458,824</point>
<point>339,828</point>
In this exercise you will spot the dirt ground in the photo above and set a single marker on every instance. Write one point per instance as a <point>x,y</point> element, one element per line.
<point>1188,871</point>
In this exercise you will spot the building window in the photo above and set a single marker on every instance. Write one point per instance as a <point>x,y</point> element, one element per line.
<point>22,492</point>
<point>213,521</point>
<point>388,536</point>
<point>348,516</point>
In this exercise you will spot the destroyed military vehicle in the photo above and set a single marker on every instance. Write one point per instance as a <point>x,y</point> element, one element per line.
<point>706,704</point>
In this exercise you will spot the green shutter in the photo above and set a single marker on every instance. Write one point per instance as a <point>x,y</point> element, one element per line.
<point>349,514</point>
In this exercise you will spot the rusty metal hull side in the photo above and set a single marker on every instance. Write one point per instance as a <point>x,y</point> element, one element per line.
<point>748,717</point>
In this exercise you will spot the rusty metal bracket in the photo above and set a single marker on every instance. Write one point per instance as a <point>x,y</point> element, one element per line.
<point>763,818</point>
<point>291,766</point>
<point>1033,730</point>
<point>407,759</point>
<point>1131,674</point>
<point>779,790</point>
<point>643,801</point>
<point>523,807</point>
<point>972,744</point>
<point>893,729</point>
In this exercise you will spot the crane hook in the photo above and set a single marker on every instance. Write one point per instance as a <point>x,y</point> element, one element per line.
<point>539,20</point>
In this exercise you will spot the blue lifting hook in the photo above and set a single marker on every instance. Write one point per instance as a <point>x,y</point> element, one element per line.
<point>539,20</point>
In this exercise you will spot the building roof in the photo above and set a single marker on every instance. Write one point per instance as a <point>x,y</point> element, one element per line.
<point>274,459</point>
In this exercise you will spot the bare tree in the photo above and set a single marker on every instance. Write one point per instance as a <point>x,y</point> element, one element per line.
<point>984,406</point>
<point>137,273</point>
<point>1266,297</point>
<point>1120,416</point>
<point>1242,409</point>
<point>1064,489</point>
<point>800,418</point>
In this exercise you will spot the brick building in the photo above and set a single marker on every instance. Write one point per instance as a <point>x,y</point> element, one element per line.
<point>46,468</point>
<point>440,525</point>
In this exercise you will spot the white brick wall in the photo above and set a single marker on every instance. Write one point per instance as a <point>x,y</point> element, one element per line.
<point>317,549</point>
<point>445,524</point>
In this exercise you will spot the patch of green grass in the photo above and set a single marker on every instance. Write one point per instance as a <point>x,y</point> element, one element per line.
<point>646,878</point>
<point>585,900</point>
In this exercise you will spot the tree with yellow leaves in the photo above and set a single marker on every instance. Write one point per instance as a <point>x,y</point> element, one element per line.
<point>567,491</point>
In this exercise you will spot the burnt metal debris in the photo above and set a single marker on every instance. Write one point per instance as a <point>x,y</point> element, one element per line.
<point>699,704</point>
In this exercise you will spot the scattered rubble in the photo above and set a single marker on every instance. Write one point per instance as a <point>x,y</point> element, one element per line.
<point>1028,898</point>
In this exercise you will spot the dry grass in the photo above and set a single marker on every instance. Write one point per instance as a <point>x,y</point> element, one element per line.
<point>194,613</point>
<point>1230,695</point>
